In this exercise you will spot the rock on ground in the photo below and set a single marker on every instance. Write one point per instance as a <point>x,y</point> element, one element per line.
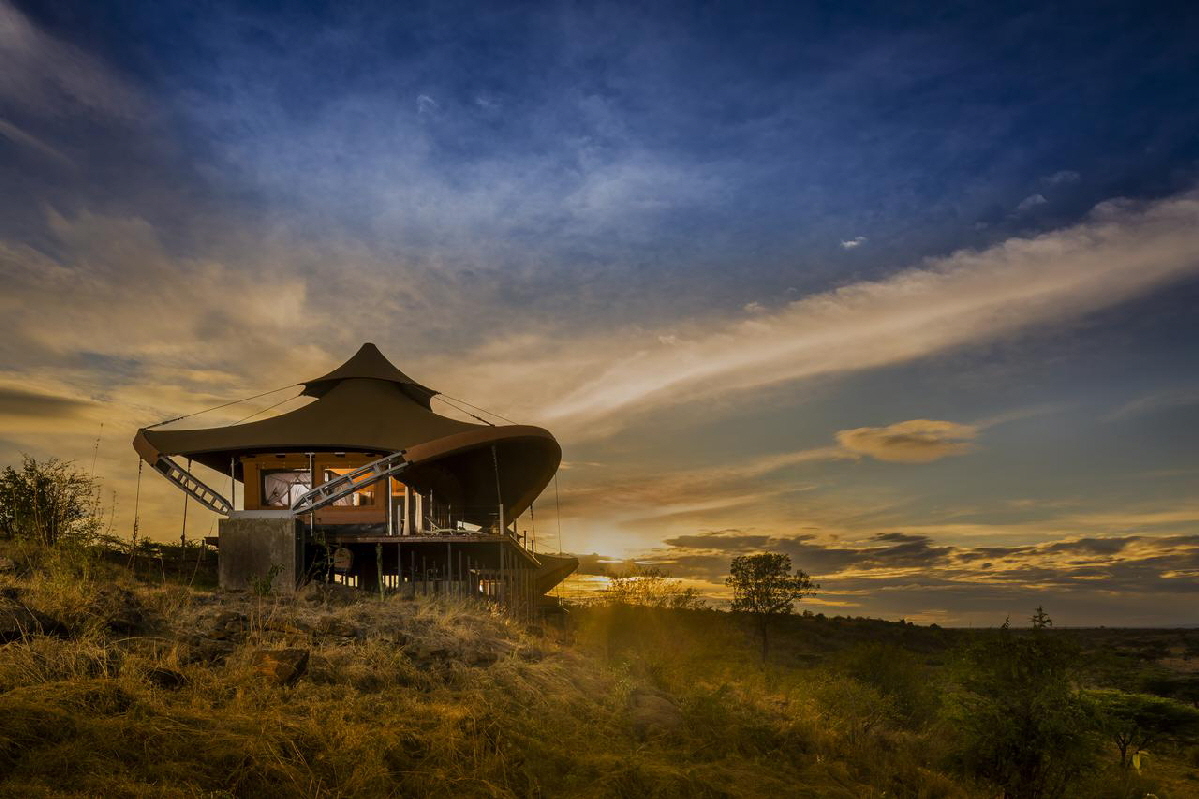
<point>335,627</point>
<point>18,621</point>
<point>166,678</point>
<point>283,666</point>
<point>653,712</point>
<point>228,625</point>
<point>120,610</point>
<point>207,650</point>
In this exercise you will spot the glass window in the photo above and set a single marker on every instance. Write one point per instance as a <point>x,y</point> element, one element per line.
<point>360,498</point>
<point>282,487</point>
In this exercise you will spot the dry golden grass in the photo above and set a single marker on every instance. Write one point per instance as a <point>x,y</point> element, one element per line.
<point>419,698</point>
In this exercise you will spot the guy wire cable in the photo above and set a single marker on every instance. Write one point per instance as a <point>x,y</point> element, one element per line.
<point>477,408</point>
<point>224,405</point>
<point>270,408</point>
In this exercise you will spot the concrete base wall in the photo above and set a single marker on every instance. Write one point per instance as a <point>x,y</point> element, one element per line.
<point>249,547</point>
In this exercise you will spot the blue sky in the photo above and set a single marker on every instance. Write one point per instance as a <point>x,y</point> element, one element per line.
<point>768,271</point>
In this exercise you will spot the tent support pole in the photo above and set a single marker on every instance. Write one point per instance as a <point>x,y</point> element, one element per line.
<point>499,496</point>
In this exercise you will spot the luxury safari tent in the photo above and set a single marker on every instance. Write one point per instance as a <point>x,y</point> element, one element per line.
<point>367,485</point>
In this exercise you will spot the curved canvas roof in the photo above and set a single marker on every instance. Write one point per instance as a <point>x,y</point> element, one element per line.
<point>368,405</point>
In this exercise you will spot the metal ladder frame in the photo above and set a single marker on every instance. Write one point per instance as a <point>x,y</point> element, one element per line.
<point>193,485</point>
<point>342,486</point>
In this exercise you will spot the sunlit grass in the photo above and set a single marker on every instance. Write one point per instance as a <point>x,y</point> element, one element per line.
<point>454,698</point>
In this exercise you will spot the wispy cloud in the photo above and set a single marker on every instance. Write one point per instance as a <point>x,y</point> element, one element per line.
<point>426,105</point>
<point>1121,251</point>
<point>1183,397</point>
<point>854,243</point>
<point>1064,176</point>
<point>47,77</point>
<point>1031,202</point>
<point>22,402</point>
<point>15,134</point>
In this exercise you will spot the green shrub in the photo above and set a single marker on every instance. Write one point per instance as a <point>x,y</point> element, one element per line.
<point>49,502</point>
<point>1021,723</point>
<point>898,676</point>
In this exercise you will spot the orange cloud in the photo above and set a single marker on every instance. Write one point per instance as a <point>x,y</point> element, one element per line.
<point>914,441</point>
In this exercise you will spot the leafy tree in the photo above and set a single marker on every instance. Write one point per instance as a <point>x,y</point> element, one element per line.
<point>1021,723</point>
<point>1137,721</point>
<point>48,502</point>
<point>650,587</point>
<point>1183,689</point>
<point>764,586</point>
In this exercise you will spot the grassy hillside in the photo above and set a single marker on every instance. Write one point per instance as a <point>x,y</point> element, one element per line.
<point>116,685</point>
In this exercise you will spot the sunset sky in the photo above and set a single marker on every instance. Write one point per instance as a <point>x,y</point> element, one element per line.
<point>909,296</point>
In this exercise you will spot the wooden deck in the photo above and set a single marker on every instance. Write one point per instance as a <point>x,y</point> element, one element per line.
<point>419,539</point>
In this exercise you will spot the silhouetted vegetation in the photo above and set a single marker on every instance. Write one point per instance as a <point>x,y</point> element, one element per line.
<point>49,502</point>
<point>649,587</point>
<point>764,587</point>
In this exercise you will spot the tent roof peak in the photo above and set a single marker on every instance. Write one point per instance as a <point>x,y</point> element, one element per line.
<point>369,364</point>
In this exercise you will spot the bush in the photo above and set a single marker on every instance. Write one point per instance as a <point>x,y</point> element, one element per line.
<point>49,502</point>
<point>898,676</point>
<point>853,710</point>
<point>1021,723</point>
<point>649,587</point>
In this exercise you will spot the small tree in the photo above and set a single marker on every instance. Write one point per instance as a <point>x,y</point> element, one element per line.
<point>48,502</point>
<point>764,586</point>
<point>1138,721</point>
